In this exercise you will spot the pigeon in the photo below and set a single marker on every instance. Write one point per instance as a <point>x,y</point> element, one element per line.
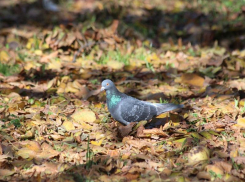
<point>127,109</point>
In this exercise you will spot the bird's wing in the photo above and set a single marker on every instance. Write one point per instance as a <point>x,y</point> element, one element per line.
<point>132,109</point>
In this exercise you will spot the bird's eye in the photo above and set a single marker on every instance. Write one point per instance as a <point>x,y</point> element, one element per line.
<point>107,84</point>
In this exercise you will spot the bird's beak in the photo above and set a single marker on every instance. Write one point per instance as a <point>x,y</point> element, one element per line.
<point>102,88</point>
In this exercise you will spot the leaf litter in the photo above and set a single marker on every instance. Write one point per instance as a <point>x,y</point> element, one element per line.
<point>55,125</point>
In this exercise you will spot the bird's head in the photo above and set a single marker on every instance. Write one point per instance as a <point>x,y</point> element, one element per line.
<point>107,85</point>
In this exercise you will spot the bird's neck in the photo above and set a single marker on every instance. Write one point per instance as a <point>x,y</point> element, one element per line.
<point>113,98</point>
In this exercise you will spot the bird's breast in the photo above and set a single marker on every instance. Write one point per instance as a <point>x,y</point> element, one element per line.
<point>113,101</point>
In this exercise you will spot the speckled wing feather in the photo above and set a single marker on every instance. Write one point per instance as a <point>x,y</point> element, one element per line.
<point>132,109</point>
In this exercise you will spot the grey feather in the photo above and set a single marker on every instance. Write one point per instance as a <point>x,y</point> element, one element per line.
<point>126,109</point>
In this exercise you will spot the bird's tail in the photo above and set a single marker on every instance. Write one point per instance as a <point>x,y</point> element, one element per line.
<point>161,108</point>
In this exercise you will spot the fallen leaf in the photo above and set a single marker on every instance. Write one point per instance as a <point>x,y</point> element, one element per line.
<point>84,115</point>
<point>4,57</point>
<point>203,175</point>
<point>116,65</point>
<point>34,146</point>
<point>97,143</point>
<point>198,154</point>
<point>217,170</point>
<point>240,123</point>
<point>225,166</point>
<point>26,153</point>
<point>68,125</point>
<point>5,172</point>
<point>192,79</point>
<point>155,131</point>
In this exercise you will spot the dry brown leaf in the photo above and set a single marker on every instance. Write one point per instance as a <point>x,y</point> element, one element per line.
<point>34,146</point>
<point>215,169</point>
<point>126,155</point>
<point>203,175</point>
<point>47,152</point>
<point>84,115</point>
<point>47,58</point>
<point>46,168</point>
<point>138,143</point>
<point>125,130</point>
<point>225,166</point>
<point>26,153</point>
<point>239,84</point>
<point>131,177</point>
<point>113,153</point>
<point>1,149</point>
<point>3,158</point>
<point>192,79</point>
<point>239,160</point>
<point>5,172</point>
<point>155,131</point>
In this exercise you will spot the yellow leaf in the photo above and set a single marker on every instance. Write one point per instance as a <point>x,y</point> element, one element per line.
<point>234,153</point>
<point>152,58</point>
<point>115,64</point>
<point>29,65</point>
<point>29,43</point>
<point>240,122</point>
<point>54,65</point>
<point>85,126</point>
<point>242,103</point>
<point>126,155</point>
<point>186,115</point>
<point>98,105</point>
<point>163,115</point>
<point>61,88</point>
<point>38,52</point>
<point>196,135</point>
<point>134,63</point>
<point>76,84</point>
<point>99,136</point>
<point>65,79</point>
<point>206,134</point>
<point>97,143</point>
<point>4,57</point>
<point>84,115</point>
<point>68,125</point>
<point>198,154</point>
<point>71,88</point>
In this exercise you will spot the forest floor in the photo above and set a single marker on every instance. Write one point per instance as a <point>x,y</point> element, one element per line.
<point>54,122</point>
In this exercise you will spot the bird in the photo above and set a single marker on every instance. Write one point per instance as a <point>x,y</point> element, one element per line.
<point>126,109</point>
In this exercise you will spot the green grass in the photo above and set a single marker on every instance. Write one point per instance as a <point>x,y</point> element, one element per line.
<point>8,70</point>
<point>115,55</point>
